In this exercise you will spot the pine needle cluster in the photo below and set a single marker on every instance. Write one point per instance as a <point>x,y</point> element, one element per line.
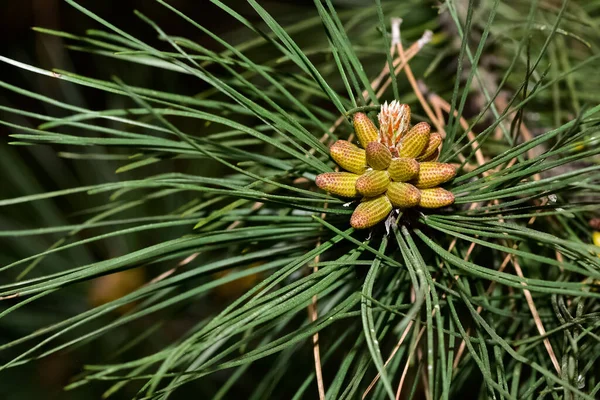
<point>233,275</point>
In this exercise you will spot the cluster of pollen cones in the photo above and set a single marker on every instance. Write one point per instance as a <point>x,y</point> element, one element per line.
<point>396,168</point>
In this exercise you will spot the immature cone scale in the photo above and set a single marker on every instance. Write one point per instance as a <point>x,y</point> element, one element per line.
<point>395,168</point>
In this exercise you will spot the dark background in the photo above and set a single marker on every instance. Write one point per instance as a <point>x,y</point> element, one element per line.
<point>36,169</point>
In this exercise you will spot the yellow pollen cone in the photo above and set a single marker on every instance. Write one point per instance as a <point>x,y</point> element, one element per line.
<point>415,141</point>
<point>365,129</point>
<point>435,198</point>
<point>433,157</point>
<point>403,195</point>
<point>339,183</point>
<point>372,183</point>
<point>435,139</point>
<point>378,155</point>
<point>403,169</point>
<point>432,174</point>
<point>348,156</point>
<point>370,212</point>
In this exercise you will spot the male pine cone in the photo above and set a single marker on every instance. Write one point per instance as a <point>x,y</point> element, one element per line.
<point>396,168</point>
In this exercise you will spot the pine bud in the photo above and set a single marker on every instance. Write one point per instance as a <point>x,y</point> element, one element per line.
<point>435,198</point>
<point>403,169</point>
<point>403,195</point>
<point>394,120</point>
<point>365,129</point>
<point>378,155</point>
<point>432,174</point>
<point>348,156</point>
<point>372,183</point>
<point>415,141</point>
<point>338,183</point>
<point>370,212</point>
<point>435,139</point>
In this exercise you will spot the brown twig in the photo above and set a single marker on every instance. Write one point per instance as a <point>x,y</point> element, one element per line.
<point>400,63</point>
<point>536,317</point>
<point>313,314</point>
<point>392,354</point>
<point>444,105</point>
<point>405,371</point>
<point>411,78</point>
<point>424,377</point>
